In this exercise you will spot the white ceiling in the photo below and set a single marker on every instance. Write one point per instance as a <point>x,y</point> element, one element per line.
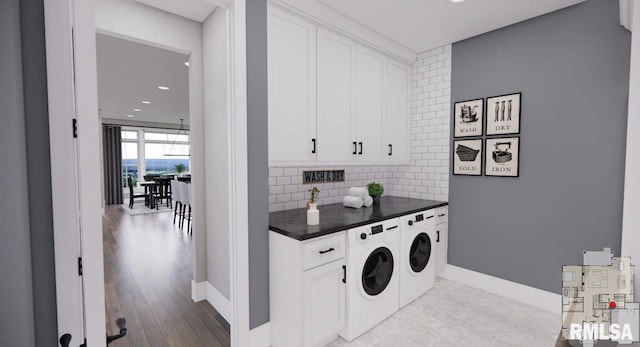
<point>130,72</point>
<point>197,10</point>
<point>421,25</point>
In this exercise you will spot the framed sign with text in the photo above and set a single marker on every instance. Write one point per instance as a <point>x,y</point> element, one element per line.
<point>468,118</point>
<point>467,157</point>
<point>503,114</point>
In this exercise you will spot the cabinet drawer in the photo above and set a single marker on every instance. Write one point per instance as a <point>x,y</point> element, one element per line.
<point>442,214</point>
<point>323,251</point>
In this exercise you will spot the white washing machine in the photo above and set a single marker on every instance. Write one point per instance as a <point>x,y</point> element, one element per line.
<point>418,243</point>
<point>372,262</point>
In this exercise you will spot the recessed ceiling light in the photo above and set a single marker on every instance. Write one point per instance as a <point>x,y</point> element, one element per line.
<point>146,102</point>
<point>137,110</point>
<point>456,1</point>
<point>163,88</point>
<point>130,116</point>
<point>186,63</point>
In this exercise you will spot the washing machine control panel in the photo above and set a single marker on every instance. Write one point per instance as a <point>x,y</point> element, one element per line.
<point>419,217</point>
<point>372,232</point>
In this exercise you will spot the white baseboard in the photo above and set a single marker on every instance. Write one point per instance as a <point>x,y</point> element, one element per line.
<point>260,336</point>
<point>539,298</point>
<point>198,291</point>
<point>219,302</point>
<point>206,291</point>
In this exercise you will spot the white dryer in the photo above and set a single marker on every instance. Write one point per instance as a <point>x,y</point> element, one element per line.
<point>418,242</point>
<point>372,264</point>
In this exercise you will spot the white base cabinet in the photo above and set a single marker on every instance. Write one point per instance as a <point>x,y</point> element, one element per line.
<point>442,237</point>
<point>306,289</point>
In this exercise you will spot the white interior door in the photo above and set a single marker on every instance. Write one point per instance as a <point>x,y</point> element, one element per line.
<point>75,169</point>
<point>370,104</point>
<point>336,97</point>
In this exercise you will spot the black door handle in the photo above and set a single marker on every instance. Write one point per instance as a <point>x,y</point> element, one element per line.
<point>438,236</point>
<point>65,340</point>
<point>390,149</point>
<point>355,148</point>
<point>442,215</point>
<point>344,274</point>
<point>327,251</point>
<point>360,143</point>
<point>314,146</point>
<point>122,324</point>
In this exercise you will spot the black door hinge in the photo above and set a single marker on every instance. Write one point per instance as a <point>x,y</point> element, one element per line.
<point>75,128</point>
<point>344,274</point>
<point>79,266</point>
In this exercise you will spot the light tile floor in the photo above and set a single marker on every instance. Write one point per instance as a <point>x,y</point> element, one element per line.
<point>452,314</point>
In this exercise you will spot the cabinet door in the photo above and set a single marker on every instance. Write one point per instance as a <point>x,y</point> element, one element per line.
<point>336,96</point>
<point>292,87</point>
<point>396,125</point>
<point>324,296</point>
<point>370,104</point>
<point>442,229</point>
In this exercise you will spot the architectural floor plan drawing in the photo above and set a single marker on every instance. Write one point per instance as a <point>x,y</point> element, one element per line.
<point>598,300</point>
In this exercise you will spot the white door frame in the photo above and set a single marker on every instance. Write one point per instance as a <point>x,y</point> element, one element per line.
<point>238,178</point>
<point>77,199</point>
<point>70,314</point>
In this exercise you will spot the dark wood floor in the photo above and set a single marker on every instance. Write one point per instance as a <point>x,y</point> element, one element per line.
<point>148,270</point>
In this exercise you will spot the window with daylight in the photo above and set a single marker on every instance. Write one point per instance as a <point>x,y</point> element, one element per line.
<point>153,151</point>
<point>129,162</point>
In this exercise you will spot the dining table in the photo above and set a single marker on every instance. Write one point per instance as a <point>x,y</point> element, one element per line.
<point>150,188</point>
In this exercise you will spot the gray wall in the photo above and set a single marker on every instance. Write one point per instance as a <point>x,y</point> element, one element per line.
<point>258,162</point>
<point>39,170</point>
<point>16,299</point>
<point>27,292</point>
<point>572,67</point>
<point>216,150</point>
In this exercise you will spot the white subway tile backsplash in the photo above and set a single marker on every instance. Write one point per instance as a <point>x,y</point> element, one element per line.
<point>430,129</point>
<point>287,191</point>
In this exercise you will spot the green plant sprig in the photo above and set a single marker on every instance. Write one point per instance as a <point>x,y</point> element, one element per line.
<point>375,189</point>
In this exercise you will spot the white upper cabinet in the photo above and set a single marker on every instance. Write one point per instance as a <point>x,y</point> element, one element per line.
<point>336,97</point>
<point>370,104</point>
<point>396,123</point>
<point>292,87</point>
<point>332,100</point>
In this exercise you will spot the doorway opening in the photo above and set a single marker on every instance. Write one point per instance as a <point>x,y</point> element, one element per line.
<point>143,98</point>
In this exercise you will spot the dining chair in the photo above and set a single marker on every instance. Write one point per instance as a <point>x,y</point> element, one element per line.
<point>176,195</point>
<point>133,196</point>
<point>186,204</point>
<point>189,224</point>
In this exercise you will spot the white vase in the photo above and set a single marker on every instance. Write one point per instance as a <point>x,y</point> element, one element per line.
<point>313,215</point>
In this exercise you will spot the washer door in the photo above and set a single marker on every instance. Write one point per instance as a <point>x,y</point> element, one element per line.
<point>377,271</point>
<point>420,252</point>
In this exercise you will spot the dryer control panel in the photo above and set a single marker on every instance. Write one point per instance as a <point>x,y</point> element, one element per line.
<point>417,218</point>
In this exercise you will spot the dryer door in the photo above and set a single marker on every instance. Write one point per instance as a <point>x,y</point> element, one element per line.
<point>377,271</point>
<point>420,252</point>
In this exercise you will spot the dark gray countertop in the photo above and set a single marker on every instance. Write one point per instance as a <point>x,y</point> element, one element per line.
<point>336,217</point>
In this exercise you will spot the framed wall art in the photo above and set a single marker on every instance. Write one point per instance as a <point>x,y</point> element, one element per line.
<point>502,157</point>
<point>467,157</point>
<point>468,118</point>
<point>503,114</point>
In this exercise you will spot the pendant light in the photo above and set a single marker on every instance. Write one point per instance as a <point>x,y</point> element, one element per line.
<point>174,149</point>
